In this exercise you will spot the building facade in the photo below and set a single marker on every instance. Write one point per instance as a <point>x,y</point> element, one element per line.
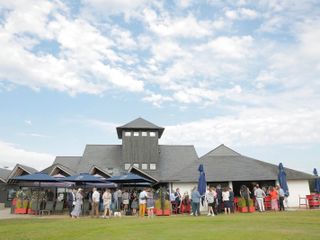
<point>171,165</point>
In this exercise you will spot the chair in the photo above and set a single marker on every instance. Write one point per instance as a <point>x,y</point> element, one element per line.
<point>313,201</point>
<point>59,207</point>
<point>85,207</point>
<point>303,201</point>
<point>35,207</point>
<point>48,209</point>
<point>267,203</point>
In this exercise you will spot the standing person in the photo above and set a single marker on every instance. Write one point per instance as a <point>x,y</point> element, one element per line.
<point>125,201</point>
<point>195,198</point>
<point>226,200</point>
<point>210,200</point>
<point>95,202</point>
<point>142,202</point>
<point>177,196</point>
<point>119,195</point>
<point>231,199</point>
<point>219,198</point>
<point>281,197</point>
<point>134,203</point>
<point>245,193</point>
<point>260,195</point>
<point>150,203</point>
<point>71,200</point>
<point>274,199</point>
<point>107,198</point>
<point>77,207</point>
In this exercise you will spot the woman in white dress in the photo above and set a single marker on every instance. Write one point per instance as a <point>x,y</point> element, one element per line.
<point>77,207</point>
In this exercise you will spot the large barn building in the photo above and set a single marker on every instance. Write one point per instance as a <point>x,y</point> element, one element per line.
<point>171,165</point>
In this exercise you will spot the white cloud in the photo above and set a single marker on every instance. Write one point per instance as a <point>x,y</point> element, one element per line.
<point>28,122</point>
<point>186,27</point>
<point>83,49</point>
<point>251,127</point>
<point>229,47</point>
<point>10,155</point>
<point>241,13</point>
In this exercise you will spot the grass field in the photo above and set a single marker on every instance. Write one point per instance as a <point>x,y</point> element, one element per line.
<point>288,225</point>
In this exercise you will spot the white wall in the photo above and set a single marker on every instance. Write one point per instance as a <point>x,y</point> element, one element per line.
<point>296,188</point>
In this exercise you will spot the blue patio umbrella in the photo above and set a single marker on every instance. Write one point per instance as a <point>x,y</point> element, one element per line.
<point>129,178</point>
<point>35,177</point>
<point>83,178</point>
<point>282,177</point>
<point>316,181</point>
<point>202,183</point>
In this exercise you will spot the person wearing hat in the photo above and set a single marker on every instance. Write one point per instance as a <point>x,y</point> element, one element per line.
<point>77,207</point>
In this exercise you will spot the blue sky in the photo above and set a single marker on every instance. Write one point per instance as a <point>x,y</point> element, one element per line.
<point>241,73</point>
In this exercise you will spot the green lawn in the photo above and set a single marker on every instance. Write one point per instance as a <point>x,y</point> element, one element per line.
<point>288,225</point>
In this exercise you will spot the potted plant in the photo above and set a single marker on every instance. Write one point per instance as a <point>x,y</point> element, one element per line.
<point>242,207</point>
<point>251,206</point>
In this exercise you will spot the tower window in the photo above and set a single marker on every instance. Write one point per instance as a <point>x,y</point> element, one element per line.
<point>144,134</point>
<point>153,166</point>
<point>127,166</point>
<point>152,134</point>
<point>127,134</point>
<point>144,166</point>
<point>136,165</point>
<point>136,134</point>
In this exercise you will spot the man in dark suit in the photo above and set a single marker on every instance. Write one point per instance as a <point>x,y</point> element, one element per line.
<point>71,199</point>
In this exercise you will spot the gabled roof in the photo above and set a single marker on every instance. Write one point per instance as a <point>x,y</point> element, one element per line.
<point>140,124</point>
<point>235,167</point>
<point>140,172</point>
<point>173,158</point>
<point>100,156</point>
<point>71,162</point>
<point>222,150</point>
<point>18,171</point>
<point>4,174</point>
<point>96,169</point>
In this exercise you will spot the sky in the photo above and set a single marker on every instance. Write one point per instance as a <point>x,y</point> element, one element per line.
<point>240,73</point>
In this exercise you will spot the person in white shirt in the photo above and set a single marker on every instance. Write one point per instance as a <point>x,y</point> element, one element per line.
<point>260,195</point>
<point>225,199</point>
<point>210,197</point>
<point>95,202</point>
<point>142,202</point>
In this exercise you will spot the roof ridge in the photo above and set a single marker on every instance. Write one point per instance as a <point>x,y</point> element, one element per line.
<point>219,147</point>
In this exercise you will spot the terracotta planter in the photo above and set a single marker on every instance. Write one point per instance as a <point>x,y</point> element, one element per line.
<point>252,209</point>
<point>165,212</point>
<point>243,209</point>
<point>20,211</point>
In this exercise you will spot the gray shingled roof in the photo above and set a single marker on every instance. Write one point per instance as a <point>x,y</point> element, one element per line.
<point>101,156</point>
<point>4,174</point>
<point>224,164</point>
<point>71,162</point>
<point>65,169</point>
<point>140,124</point>
<point>173,158</point>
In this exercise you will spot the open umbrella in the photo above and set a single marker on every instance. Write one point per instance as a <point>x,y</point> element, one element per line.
<point>83,178</point>
<point>37,177</point>
<point>202,183</point>
<point>282,177</point>
<point>129,178</point>
<point>316,181</point>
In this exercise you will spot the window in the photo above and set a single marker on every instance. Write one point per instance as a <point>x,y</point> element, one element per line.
<point>144,166</point>
<point>152,134</point>
<point>153,166</point>
<point>136,165</point>
<point>127,134</point>
<point>127,166</point>
<point>144,134</point>
<point>136,134</point>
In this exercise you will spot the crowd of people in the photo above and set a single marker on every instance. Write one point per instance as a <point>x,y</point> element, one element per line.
<point>133,202</point>
<point>111,203</point>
